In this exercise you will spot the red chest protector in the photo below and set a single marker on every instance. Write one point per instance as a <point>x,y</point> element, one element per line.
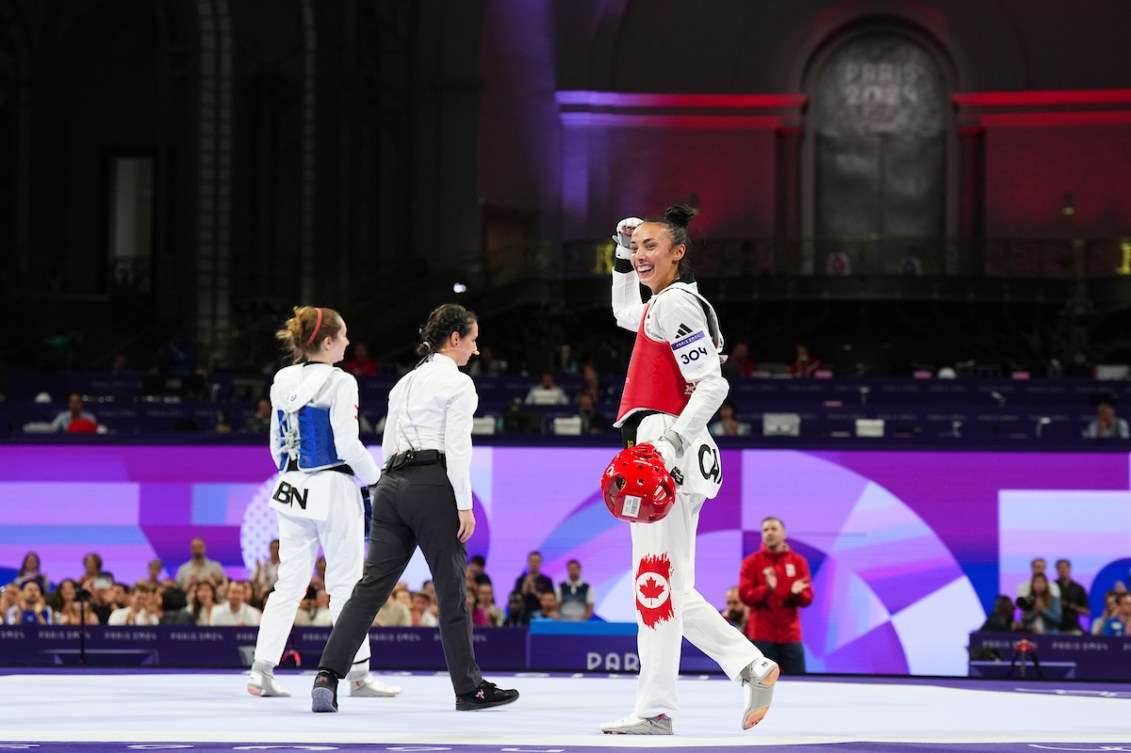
<point>654,380</point>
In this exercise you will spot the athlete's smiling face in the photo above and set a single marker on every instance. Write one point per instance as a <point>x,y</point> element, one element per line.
<point>655,256</point>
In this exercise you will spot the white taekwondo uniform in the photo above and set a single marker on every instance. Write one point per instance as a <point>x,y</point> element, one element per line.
<point>315,445</point>
<point>676,384</point>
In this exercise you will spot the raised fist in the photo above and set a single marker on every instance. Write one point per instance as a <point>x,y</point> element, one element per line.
<point>623,235</point>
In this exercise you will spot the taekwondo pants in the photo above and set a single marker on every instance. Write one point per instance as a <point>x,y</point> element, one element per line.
<point>342,538</point>
<point>668,608</point>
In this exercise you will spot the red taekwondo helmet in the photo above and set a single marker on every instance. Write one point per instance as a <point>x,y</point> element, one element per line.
<point>637,487</point>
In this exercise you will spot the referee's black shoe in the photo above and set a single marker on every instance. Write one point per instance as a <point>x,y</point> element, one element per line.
<point>485,696</point>
<point>324,696</point>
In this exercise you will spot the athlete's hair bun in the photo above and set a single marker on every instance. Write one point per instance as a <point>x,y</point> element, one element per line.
<point>680,215</point>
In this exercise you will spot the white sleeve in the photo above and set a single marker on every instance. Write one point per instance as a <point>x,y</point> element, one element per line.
<point>627,305</point>
<point>679,319</point>
<point>271,441</point>
<point>389,437</point>
<point>457,440</point>
<point>343,417</point>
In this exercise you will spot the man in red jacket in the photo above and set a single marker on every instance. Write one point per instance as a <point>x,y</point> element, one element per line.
<point>774,583</point>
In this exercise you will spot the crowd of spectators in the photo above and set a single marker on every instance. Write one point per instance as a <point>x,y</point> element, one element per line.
<point>1059,606</point>
<point>199,592</point>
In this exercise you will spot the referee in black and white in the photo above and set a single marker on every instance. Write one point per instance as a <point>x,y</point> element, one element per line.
<point>422,499</point>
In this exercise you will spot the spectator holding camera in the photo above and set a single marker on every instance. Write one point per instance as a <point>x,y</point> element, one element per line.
<point>1001,619</point>
<point>102,597</point>
<point>1040,610</point>
<point>1036,567</point>
<point>74,614</point>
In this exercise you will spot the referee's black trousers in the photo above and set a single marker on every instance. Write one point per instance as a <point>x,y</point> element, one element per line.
<point>412,506</point>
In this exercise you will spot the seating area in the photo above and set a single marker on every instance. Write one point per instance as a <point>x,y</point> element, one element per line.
<point>814,411</point>
<point>982,410</point>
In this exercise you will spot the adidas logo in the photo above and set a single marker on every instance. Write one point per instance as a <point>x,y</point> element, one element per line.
<point>683,330</point>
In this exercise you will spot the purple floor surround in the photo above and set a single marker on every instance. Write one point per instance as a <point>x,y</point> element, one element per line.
<point>862,746</point>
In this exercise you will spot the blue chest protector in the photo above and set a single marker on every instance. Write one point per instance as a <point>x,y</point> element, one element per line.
<point>307,438</point>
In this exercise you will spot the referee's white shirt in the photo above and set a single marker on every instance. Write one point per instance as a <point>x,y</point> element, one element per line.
<point>431,408</point>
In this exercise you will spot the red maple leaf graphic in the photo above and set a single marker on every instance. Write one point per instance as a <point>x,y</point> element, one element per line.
<point>650,589</point>
<point>659,571</point>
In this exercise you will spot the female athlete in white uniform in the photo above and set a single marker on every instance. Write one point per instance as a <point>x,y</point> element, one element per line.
<point>674,387</point>
<point>314,444</point>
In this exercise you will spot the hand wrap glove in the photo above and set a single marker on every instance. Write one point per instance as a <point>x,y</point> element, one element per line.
<point>669,447</point>
<point>622,261</point>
